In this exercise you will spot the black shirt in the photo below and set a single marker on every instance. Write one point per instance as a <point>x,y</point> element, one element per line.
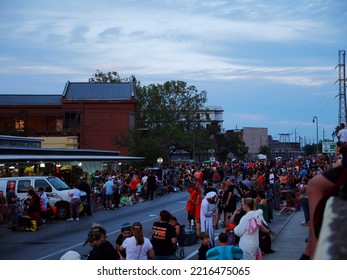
<point>105,251</point>
<point>83,186</point>
<point>202,251</point>
<point>161,239</point>
<point>119,241</point>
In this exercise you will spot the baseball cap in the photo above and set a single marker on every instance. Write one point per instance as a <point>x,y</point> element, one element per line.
<point>95,233</point>
<point>125,227</point>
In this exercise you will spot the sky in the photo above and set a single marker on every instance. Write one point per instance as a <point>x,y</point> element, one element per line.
<point>270,64</point>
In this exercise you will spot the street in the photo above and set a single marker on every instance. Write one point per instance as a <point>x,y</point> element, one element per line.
<point>52,240</point>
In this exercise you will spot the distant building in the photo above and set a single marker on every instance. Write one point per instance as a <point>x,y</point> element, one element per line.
<point>254,138</point>
<point>284,149</point>
<point>95,113</point>
<point>212,113</point>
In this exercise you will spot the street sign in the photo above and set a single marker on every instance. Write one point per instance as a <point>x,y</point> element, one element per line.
<point>328,147</point>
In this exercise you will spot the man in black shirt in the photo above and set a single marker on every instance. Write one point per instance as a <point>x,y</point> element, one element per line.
<point>164,237</point>
<point>102,249</point>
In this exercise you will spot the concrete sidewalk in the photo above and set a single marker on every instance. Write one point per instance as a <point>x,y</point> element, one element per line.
<point>289,241</point>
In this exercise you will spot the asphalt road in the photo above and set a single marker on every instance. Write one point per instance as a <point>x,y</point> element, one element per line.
<point>52,240</point>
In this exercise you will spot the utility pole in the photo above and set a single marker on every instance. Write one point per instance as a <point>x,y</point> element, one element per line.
<point>342,118</point>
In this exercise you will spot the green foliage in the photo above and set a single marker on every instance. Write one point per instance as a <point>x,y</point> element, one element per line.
<point>110,77</point>
<point>265,150</point>
<point>234,145</point>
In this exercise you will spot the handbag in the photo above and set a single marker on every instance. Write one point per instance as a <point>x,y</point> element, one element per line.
<point>80,208</point>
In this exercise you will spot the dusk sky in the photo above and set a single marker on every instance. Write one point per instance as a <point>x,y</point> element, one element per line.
<point>268,64</point>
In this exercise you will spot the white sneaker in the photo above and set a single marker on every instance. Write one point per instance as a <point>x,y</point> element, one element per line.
<point>71,219</point>
<point>77,219</point>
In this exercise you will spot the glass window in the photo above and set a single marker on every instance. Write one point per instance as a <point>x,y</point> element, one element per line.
<point>10,183</point>
<point>19,125</point>
<point>41,183</point>
<point>23,186</point>
<point>58,184</point>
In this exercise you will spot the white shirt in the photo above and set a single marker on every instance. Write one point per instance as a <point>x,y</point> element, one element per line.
<point>136,252</point>
<point>249,241</point>
<point>75,193</point>
<point>342,135</point>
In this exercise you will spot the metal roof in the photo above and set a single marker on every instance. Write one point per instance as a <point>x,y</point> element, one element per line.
<point>98,91</point>
<point>30,99</point>
<point>73,91</point>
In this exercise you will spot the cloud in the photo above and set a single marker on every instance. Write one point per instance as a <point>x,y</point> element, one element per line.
<point>110,33</point>
<point>249,117</point>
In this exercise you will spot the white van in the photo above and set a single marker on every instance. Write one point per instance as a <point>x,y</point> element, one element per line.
<point>56,190</point>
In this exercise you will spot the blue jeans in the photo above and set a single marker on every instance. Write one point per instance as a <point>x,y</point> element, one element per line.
<point>304,204</point>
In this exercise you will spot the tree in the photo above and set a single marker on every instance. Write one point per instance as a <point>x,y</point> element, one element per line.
<point>234,145</point>
<point>171,113</point>
<point>110,77</point>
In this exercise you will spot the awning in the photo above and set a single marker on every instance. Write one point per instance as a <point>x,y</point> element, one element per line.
<point>55,158</point>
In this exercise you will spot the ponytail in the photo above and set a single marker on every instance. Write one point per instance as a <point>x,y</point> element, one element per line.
<point>138,233</point>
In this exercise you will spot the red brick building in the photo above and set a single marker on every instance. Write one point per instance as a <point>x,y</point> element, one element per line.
<point>94,112</point>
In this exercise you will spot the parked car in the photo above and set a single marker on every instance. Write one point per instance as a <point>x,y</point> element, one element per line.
<point>55,188</point>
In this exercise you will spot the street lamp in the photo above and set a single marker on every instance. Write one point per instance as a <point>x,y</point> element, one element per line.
<point>315,120</point>
<point>160,161</point>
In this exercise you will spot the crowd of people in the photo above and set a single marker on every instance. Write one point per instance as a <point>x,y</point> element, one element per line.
<point>240,196</point>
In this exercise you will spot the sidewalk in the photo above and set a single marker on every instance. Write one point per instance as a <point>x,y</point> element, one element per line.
<point>289,241</point>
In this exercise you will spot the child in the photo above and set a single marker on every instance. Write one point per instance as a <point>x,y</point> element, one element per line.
<point>205,245</point>
<point>229,230</point>
<point>223,239</point>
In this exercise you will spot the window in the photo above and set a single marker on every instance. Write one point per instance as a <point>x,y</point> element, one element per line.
<point>59,124</point>
<point>42,183</point>
<point>10,184</point>
<point>23,186</point>
<point>19,124</point>
<point>71,120</point>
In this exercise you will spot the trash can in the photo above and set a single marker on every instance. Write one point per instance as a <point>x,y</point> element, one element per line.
<point>189,237</point>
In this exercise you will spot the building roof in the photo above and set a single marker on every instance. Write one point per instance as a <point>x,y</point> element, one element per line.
<point>98,91</point>
<point>73,91</point>
<point>30,99</point>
